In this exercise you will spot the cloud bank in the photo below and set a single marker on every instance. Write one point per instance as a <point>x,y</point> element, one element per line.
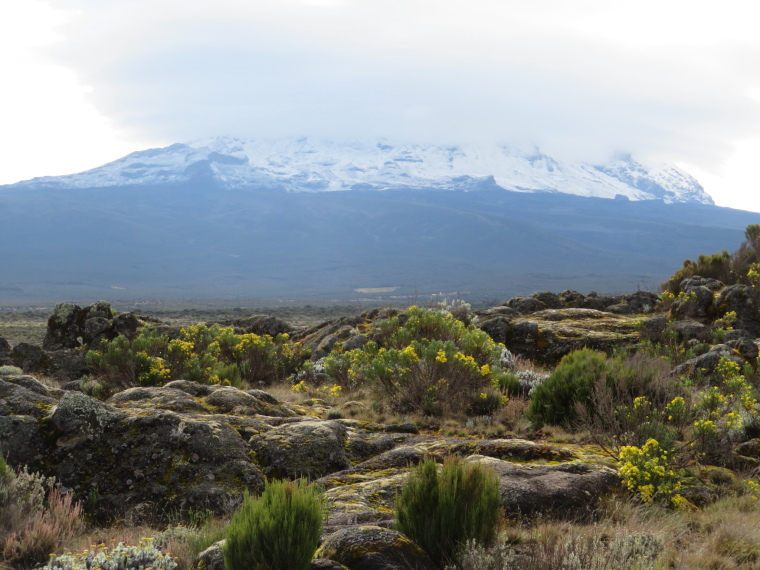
<point>582,81</point>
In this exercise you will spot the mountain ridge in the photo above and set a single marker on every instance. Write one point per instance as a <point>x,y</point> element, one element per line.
<point>317,165</point>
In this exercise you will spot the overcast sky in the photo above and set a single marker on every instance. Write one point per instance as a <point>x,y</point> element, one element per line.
<point>87,81</point>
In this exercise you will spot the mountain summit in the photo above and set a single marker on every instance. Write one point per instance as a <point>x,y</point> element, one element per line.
<point>315,165</point>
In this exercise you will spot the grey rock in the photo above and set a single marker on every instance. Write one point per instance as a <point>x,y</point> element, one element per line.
<point>566,489</point>
<point>309,449</point>
<point>374,548</point>
<point>212,558</point>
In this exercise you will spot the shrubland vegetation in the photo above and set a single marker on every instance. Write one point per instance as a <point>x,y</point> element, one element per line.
<point>688,501</point>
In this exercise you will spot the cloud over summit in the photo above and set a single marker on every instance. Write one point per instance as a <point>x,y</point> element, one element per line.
<point>584,81</point>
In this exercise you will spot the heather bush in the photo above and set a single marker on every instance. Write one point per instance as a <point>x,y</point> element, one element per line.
<point>554,401</point>
<point>443,510</point>
<point>35,517</point>
<point>279,530</point>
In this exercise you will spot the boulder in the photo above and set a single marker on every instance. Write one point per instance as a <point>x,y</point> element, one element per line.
<point>160,458</point>
<point>5,348</point>
<point>549,299</point>
<point>258,324</point>
<point>739,299</point>
<point>374,548</point>
<point>25,396</point>
<point>64,328</point>
<point>696,281</point>
<point>496,327</point>
<point>308,449</point>
<point>22,441</point>
<point>640,302</point>
<point>525,305</point>
<point>565,489</point>
<point>696,305</point>
<point>30,358</point>
<point>571,298</point>
<point>212,558</point>
<point>705,364</point>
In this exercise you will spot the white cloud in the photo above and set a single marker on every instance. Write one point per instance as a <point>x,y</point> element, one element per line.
<point>582,79</point>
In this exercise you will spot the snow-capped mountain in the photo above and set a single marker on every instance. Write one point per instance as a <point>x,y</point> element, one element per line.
<point>313,165</point>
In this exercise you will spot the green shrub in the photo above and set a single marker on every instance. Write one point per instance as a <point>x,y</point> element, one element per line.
<point>442,511</point>
<point>10,370</point>
<point>278,531</point>
<point>554,401</point>
<point>740,266</point>
<point>142,557</point>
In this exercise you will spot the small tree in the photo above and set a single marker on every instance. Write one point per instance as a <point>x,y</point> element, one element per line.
<point>442,511</point>
<point>279,530</point>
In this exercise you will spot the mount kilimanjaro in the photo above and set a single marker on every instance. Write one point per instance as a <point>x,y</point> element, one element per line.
<point>309,165</point>
<point>311,219</point>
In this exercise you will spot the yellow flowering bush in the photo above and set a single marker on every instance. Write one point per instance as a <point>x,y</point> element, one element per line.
<point>648,472</point>
<point>206,354</point>
<point>426,361</point>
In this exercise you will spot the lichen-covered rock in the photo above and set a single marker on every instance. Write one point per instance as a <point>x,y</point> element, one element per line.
<point>64,329</point>
<point>228,400</point>
<point>159,458</point>
<point>30,358</point>
<point>705,364</point>
<point>25,396</point>
<point>638,303</point>
<point>23,442</point>
<point>258,324</point>
<point>506,449</point>
<point>309,449</point>
<point>212,558</point>
<point>739,299</point>
<point>565,489</point>
<point>157,398</point>
<point>326,564</point>
<point>5,349</point>
<point>374,548</point>
<point>525,305</point>
<point>546,336</point>
<point>696,305</point>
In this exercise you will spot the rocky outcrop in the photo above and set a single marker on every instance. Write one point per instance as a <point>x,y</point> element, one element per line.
<point>548,335</point>
<point>257,324</point>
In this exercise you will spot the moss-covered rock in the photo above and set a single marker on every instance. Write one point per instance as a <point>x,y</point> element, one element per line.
<point>565,489</point>
<point>374,548</point>
<point>305,449</point>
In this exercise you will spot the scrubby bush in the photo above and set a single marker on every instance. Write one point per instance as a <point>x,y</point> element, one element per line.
<point>555,400</point>
<point>278,531</point>
<point>740,266</point>
<point>10,370</point>
<point>35,517</point>
<point>442,511</point>
<point>122,557</point>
